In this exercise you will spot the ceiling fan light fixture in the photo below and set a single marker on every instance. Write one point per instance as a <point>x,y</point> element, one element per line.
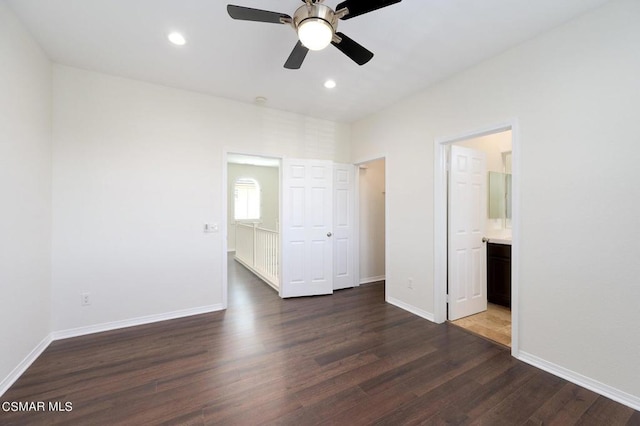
<point>315,33</point>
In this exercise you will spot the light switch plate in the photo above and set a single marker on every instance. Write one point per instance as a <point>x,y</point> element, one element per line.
<point>211,227</point>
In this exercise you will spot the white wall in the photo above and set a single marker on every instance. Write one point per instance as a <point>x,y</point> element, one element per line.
<point>137,171</point>
<point>269,180</point>
<point>25,185</point>
<point>575,92</point>
<point>371,205</point>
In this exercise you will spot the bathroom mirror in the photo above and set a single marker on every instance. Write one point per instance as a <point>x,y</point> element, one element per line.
<point>497,195</point>
<point>506,164</point>
<point>500,192</point>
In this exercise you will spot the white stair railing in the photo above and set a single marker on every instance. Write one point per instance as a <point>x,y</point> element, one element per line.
<point>244,243</point>
<point>266,253</point>
<point>258,249</point>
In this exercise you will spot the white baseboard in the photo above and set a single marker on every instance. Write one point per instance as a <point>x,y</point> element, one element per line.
<point>372,279</point>
<point>584,381</point>
<point>98,328</point>
<point>26,362</point>
<point>416,311</point>
<point>6,383</point>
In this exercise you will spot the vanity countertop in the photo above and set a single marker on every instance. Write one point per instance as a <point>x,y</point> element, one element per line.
<point>505,241</point>
<point>499,237</point>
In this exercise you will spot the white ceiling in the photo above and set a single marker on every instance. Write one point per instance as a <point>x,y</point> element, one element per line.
<point>416,43</point>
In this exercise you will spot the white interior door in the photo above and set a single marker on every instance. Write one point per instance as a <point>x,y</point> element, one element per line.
<point>343,226</point>
<point>467,265</point>
<point>307,253</point>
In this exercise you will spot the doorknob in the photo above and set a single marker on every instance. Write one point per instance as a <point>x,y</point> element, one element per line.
<point>329,234</point>
<point>485,240</point>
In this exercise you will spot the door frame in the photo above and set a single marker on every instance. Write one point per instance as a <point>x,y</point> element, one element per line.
<point>357,164</point>
<point>224,220</point>
<point>441,217</point>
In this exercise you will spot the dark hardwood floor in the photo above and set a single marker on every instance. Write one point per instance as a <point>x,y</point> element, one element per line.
<point>344,359</point>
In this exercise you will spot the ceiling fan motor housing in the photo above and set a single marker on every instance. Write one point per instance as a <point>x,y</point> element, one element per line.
<point>315,11</point>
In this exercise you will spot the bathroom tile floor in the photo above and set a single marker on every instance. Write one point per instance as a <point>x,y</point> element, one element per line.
<point>494,324</point>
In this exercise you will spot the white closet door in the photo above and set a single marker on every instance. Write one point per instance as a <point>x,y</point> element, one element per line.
<point>307,234</point>
<point>343,226</point>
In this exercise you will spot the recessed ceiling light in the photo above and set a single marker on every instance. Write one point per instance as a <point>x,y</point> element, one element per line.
<point>329,84</point>
<point>177,39</point>
<point>260,100</point>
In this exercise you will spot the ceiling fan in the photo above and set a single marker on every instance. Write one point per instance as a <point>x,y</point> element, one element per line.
<point>316,25</point>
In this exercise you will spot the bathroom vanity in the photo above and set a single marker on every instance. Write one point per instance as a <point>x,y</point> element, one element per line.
<point>499,238</point>
<point>499,272</point>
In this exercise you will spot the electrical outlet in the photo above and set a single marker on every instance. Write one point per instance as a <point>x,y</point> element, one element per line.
<point>85,300</point>
<point>410,283</point>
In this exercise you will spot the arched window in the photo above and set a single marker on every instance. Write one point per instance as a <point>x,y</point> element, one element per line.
<point>247,199</point>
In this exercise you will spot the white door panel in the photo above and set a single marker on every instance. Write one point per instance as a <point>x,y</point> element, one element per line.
<point>307,255</point>
<point>467,218</point>
<point>343,226</point>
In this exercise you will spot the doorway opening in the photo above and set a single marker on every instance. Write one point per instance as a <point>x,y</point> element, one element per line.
<point>476,233</point>
<point>312,251</point>
<point>372,222</point>
<point>253,214</point>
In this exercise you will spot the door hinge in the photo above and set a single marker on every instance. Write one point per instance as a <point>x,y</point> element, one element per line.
<point>448,299</point>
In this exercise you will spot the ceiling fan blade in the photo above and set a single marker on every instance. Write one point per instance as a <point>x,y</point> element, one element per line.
<point>297,57</point>
<point>257,15</point>
<point>360,7</point>
<point>355,51</point>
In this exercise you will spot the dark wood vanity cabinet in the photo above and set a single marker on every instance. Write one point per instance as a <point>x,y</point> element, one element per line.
<point>499,274</point>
